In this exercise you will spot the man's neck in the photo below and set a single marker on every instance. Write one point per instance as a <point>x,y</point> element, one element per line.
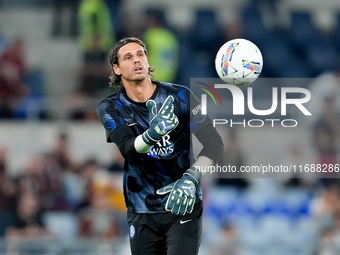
<point>140,92</point>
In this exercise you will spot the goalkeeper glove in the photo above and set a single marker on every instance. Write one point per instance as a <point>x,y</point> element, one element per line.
<point>183,192</point>
<point>161,122</point>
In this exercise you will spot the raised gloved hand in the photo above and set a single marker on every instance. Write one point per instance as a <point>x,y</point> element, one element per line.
<point>161,122</point>
<point>183,192</point>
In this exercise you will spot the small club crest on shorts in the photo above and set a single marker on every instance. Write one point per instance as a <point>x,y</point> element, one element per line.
<point>132,231</point>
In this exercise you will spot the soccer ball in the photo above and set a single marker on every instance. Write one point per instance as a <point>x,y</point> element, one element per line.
<point>239,62</point>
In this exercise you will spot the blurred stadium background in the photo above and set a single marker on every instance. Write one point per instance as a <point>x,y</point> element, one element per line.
<point>60,183</point>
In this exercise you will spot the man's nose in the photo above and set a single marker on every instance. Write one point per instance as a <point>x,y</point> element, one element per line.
<point>136,59</point>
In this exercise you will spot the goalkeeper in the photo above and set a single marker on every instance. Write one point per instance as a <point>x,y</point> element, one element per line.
<point>151,123</point>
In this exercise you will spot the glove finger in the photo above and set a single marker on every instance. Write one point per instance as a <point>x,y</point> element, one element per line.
<point>173,124</point>
<point>191,204</point>
<point>171,200</point>
<point>166,189</point>
<point>167,105</point>
<point>171,118</point>
<point>184,206</point>
<point>152,108</point>
<point>175,121</point>
<point>178,201</point>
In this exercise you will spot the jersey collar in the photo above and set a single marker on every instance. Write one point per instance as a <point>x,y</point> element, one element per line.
<point>155,93</point>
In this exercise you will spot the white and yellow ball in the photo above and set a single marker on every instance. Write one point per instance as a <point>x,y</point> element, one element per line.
<point>239,62</point>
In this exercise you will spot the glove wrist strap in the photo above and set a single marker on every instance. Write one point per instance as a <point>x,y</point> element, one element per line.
<point>148,139</point>
<point>194,173</point>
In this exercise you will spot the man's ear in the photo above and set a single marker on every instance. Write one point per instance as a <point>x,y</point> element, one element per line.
<point>116,69</point>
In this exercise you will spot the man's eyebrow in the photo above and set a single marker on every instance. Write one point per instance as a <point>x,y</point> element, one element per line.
<point>129,53</point>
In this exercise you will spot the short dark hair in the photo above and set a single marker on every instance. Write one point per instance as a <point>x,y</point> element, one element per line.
<point>115,80</point>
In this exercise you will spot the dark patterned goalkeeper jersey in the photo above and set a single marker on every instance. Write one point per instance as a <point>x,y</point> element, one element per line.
<point>124,119</point>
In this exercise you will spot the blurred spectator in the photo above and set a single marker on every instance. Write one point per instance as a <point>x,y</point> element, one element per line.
<point>59,17</point>
<point>111,184</point>
<point>42,177</point>
<point>102,217</point>
<point>132,25</point>
<point>324,145</point>
<point>2,43</point>
<point>116,170</point>
<point>12,89</point>
<point>336,232</point>
<point>232,30</point>
<point>96,39</point>
<point>31,180</point>
<point>14,55</point>
<point>163,48</point>
<point>87,172</point>
<point>96,30</point>
<point>98,219</point>
<point>62,154</point>
<point>74,188</point>
<point>326,134</point>
<point>3,154</point>
<point>227,242</point>
<point>95,71</point>
<point>329,235</point>
<point>296,157</point>
<point>326,203</point>
<point>7,186</point>
<point>20,86</point>
<point>326,244</point>
<point>234,157</point>
<point>7,195</point>
<point>27,221</point>
<point>326,85</point>
<point>330,117</point>
<point>53,195</point>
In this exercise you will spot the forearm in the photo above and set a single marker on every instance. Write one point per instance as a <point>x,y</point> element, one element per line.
<point>129,145</point>
<point>124,138</point>
<point>213,146</point>
<point>203,162</point>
